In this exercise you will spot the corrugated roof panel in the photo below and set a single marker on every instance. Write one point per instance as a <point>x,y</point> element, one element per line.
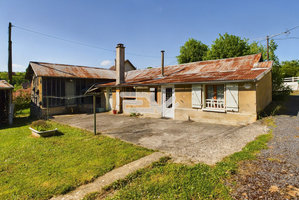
<point>70,71</point>
<point>5,85</point>
<point>230,69</point>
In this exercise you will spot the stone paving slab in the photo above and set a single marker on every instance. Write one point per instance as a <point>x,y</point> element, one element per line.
<point>110,177</point>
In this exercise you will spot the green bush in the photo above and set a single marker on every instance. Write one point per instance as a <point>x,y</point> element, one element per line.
<point>41,125</point>
<point>21,100</point>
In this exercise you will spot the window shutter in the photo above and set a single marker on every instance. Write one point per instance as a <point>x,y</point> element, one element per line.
<point>196,96</point>
<point>232,97</point>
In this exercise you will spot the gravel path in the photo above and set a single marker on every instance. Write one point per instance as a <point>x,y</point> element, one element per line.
<point>275,174</point>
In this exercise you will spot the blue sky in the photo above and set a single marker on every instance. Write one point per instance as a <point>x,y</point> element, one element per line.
<point>145,27</point>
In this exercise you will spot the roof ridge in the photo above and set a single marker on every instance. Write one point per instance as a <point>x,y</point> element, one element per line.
<point>37,62</point>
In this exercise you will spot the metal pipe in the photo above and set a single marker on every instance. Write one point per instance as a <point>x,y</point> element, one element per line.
<point>94,116</point>
<point>162,62</point>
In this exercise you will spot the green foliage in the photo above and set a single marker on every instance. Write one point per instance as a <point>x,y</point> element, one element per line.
<point>290,68</point>
<point>166,180</point>
<point>41,125</point>
<point>193,50</point>
<point>228,46</point>
<point>39,168</point>
<point>17,79</point>
<point>22,100</point>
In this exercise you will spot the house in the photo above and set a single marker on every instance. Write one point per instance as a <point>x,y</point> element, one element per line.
<point>60,88</point>
<point>6,113</point>
<point>128,66</point>
<point>229,91</point>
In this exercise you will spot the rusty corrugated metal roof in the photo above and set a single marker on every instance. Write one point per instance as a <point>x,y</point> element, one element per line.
<point>70,71</point>
<point>4,85</point>
<point>245,68</point>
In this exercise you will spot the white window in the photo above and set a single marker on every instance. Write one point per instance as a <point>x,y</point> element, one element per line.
<point>214,97</point>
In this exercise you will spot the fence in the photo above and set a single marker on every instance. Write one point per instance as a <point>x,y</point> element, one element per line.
<point>291,79</point>
<point>292,82</point>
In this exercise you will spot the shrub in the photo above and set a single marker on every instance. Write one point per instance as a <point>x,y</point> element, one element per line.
<point>21,99</point>
<point>41,125</point>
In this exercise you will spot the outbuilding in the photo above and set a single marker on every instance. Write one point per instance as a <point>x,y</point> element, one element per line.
<point>6,114</point>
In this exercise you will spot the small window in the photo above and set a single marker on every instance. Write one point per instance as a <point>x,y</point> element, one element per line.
<point>215,96</point>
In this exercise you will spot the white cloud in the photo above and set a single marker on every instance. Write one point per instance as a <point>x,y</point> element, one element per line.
<point>18,68</point>
<point>106,63</point>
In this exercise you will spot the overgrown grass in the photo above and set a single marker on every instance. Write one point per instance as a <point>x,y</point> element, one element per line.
<point>38,168</point>
<point>166,180</point>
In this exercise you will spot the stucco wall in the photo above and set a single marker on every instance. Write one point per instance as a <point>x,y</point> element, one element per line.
<point>246,113</point>
<point>264,92</point>
<point>144,103</point>
<point>247,98</point>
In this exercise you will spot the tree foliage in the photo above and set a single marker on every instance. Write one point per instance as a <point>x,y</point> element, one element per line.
<point>290,68</point>
<point>193,50</point>
<point>228,46</point>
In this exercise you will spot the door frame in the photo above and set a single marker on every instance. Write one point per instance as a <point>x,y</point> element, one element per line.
<point>163,96</point>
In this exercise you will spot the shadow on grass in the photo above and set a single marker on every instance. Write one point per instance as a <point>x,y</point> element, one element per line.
<point>18,122</point>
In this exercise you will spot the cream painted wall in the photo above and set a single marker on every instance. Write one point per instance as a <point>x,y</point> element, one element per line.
<point>264,92</point>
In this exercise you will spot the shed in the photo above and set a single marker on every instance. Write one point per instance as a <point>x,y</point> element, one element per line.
<point>5,102</point>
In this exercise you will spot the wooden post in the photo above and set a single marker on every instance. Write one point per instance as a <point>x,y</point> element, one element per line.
<point>47,107</point>
<point>94,116</point>
<point>267,48</point>
<point>9,54</point>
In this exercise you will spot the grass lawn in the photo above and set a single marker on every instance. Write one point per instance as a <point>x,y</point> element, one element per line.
<point>38,168</point>
<point>167,180</point>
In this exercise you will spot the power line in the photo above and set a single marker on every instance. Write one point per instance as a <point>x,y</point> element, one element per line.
<point>288,31</point>
<point>288,38</point>
<point>81,43</point>
<point>59,38</point>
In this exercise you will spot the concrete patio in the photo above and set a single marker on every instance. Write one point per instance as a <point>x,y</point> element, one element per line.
<point>185,141</point>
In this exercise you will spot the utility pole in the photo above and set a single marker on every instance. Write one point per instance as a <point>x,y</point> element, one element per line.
<point>267,47</point>
<point>94,115</point>
<point>9,54</point>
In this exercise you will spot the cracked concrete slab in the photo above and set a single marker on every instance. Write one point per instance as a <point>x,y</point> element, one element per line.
<point>185,141</point>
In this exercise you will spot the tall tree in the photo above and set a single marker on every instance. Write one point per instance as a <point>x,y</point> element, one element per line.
<point>227,46</point>
<point>193,50</point>
<point>290,68</point>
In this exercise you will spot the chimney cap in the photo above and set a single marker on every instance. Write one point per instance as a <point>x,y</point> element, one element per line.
<point>162,51</point>
<point>120,45</point>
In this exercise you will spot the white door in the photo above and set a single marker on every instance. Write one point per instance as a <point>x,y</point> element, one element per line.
<point>110,100</point>
<point>168,102</point>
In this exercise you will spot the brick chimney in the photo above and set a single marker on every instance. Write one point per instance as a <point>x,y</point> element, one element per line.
<point>120,64</point>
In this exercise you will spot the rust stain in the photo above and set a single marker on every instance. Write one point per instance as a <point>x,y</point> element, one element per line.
<point>70,71</point>
<point>230,69</point>
<point>5,85</point>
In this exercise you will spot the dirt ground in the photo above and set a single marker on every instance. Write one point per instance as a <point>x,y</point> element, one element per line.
<point>185,141</point>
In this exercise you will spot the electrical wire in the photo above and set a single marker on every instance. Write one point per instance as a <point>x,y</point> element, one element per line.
<point>83,44</point>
